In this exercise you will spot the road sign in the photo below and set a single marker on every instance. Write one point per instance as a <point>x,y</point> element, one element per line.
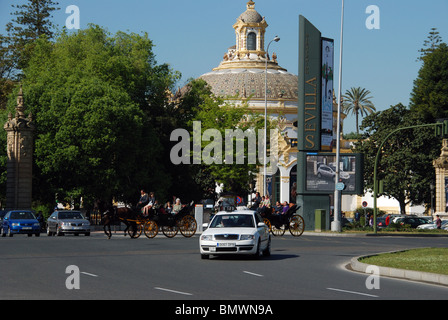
<point>340,186</point>
<point>364,204</point>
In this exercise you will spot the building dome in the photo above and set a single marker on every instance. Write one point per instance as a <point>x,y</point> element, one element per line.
<point>250,83</point>
<point>251,15</point>
<point>242,72</point>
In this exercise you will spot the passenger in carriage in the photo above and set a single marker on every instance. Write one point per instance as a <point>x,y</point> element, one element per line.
<point>144,199</point>
<point>151,203</point>
<point>285,207</point>
<point>278,209</point>
<point>265,206</point>
<point>168,208</point>
<point>177,206</point>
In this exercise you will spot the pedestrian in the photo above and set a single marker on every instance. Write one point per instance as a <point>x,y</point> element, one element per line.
<point>438,222</point>
<point>387,220</point>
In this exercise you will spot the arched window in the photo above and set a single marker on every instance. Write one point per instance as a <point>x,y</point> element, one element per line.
<point>252,41</point>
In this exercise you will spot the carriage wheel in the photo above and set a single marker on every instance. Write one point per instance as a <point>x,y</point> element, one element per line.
<point>278,231</point>
<point>151,229</point>
<point>169,231</point>
<point>268,223</point>
<point>296,225</point>
<point>188,226</point>
<point>135,233</point>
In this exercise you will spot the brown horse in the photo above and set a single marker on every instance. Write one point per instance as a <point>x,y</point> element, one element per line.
<point>114,214</point>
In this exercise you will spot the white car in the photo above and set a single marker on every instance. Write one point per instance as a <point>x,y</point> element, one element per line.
<point>432,226</point>
<point>235,232</point>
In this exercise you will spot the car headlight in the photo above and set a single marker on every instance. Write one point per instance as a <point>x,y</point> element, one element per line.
<point>206,237</point>
<point>247,237</point>
<point>37,224</point>
<point>16,224</point>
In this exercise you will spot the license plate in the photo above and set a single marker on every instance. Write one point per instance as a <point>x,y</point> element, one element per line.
<point>26,228</point>
<point>226,245</point>
<point>76,228</point>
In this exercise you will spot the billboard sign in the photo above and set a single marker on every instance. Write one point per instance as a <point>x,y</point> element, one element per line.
<point>320,172</point>
<point>327,94</point>
<point>310,86</point>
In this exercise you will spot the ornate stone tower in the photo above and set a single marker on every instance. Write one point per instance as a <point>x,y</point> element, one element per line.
<point>20,142</point>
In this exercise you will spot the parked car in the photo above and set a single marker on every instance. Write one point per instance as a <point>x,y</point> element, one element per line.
<point>381,222</point>
<point>66,221</point>
<point>414,222</point>
<point>235,232</point>
<point>432,226</point>
<point>20,222</point>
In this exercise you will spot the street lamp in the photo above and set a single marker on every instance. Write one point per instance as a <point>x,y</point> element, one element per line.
<point>276,39</point>
<point>336,224</point>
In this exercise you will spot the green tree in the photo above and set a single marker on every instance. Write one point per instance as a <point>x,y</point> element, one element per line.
<point>357,101</point>
<point>32,20</point>
<point>429,96</point>
<point>93,96</point>
<point>405,163</point>
<point>430,44</point>
<point>214,113</point>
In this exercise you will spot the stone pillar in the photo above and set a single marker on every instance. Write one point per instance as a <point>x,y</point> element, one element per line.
<point>19,166</point>
<point>441,166</point>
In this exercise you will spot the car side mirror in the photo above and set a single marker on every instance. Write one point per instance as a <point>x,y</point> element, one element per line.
<point>262,224</point>
<point>204,226</point>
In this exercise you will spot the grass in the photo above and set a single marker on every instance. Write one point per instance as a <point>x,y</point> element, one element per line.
<point>434,260</point>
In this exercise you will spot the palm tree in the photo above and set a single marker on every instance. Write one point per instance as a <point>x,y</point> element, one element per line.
<point>357,101</point>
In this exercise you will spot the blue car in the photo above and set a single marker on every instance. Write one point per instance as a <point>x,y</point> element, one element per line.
<point>20,222</point>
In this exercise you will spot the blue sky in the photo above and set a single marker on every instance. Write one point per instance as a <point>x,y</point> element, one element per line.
<point>192,36</point>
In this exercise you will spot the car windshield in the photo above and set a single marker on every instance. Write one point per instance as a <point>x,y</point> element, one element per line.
<point>70,215</point>
<point>21,215</point>
<point>233,220</point>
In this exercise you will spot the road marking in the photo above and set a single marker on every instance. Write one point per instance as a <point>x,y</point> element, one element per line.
<point>174,291</point>
<point>253,274</point>
<point>354,292</point>
<point>89,274</point>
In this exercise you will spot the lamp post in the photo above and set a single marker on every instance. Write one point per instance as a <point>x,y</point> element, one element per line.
<point>276,39</point>
<point>336,224</point>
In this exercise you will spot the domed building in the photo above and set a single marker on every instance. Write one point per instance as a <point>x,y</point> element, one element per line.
<point>241,76</point>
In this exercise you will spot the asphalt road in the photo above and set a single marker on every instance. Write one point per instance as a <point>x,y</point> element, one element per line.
<point>305,268</point>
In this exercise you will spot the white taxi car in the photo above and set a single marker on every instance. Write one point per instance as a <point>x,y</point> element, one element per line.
<point>236,232</point>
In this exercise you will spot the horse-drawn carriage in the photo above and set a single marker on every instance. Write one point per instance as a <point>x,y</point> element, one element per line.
<point>278,223</point>
<point>157,219</point>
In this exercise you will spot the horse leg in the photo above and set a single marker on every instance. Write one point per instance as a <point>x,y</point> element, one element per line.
<point>106,227</point>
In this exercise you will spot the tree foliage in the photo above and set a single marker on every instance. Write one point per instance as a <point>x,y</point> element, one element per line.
<point>405,163</point>
<point>429,96</point>
<point>95,97</point>
<point>358,102</point>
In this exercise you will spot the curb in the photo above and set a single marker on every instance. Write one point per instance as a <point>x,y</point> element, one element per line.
<point>420,276</point>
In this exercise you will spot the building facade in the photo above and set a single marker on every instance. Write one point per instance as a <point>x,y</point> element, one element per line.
<point>240,78</point>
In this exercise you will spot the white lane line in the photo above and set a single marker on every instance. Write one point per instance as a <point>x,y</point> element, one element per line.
<point>354,292</point>
<point>253,274</point>
<point>174,291</point>
<point>89,274</point>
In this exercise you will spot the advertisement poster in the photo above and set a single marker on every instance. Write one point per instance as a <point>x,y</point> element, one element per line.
<point>327,94</point>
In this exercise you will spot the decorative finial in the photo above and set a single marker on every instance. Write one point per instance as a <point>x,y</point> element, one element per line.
<point>251,5</point>
<point>20,107</point>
